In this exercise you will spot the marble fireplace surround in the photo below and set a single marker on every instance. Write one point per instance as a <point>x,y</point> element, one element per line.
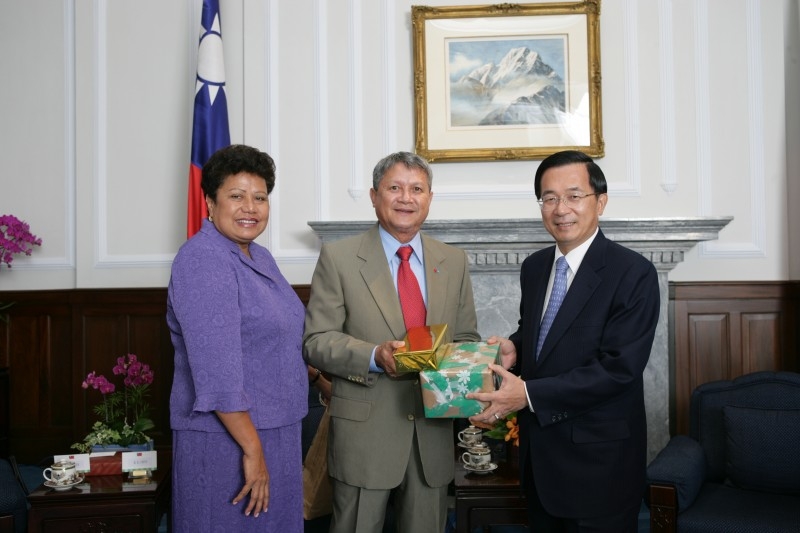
<point>496,249</point>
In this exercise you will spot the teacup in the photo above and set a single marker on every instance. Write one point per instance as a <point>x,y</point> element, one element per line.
<point>470,436</point>
<point>477,457</point>
<point>60,473</point>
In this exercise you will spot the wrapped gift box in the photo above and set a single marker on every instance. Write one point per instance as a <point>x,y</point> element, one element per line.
<point>419,352</point>
<point>460,368</point>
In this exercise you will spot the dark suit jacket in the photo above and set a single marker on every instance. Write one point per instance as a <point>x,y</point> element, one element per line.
<point>353,307</point>
<point>587,440</point>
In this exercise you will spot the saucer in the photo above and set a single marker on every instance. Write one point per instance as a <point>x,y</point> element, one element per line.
<point>485,469</point>
<point>473,445</point>
<point>65,486</point>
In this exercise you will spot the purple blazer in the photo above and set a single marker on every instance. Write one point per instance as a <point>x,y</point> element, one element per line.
<point>237,326</point>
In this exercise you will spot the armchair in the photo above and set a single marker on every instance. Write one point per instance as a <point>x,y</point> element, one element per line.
<point>738,470</point>
<point>13,504</point>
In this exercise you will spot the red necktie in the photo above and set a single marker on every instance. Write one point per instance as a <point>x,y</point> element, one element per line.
<point>408,288</point>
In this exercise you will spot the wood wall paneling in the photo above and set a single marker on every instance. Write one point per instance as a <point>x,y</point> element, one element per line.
<point>38,352</point>
<point>5,413</point>
<point>725,330</point>
<point>110,331</point>
<point>54,338</point>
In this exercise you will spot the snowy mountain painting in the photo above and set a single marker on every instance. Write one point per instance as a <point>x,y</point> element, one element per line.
<point>509,82</point>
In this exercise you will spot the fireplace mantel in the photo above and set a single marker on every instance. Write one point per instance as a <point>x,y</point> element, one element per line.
<point>496,249</point>
<point>501,245</point>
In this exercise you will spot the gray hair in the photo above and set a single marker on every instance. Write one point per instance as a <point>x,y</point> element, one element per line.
<point>409,159</point>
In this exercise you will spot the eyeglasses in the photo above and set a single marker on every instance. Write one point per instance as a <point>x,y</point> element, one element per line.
<point>549,203</point>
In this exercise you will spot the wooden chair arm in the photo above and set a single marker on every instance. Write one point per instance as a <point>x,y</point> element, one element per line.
<point>663,508</point>
<point>7,524</point>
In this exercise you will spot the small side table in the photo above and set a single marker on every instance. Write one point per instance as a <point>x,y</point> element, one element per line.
<point>104,503</point>
<point>489,499</point>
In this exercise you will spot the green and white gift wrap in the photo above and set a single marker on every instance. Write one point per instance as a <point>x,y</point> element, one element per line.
<point>460,368</point>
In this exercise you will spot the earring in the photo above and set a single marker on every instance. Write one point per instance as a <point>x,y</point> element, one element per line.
<point>210,218</point>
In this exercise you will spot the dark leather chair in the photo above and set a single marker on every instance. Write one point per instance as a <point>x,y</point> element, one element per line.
<point>13,503</point>
<point>738,470</point>
<point>16,482</point>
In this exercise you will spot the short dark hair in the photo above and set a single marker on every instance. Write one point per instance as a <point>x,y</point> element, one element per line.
<point>232,160</point>
<point>410,160</point>
<point>568,157</point>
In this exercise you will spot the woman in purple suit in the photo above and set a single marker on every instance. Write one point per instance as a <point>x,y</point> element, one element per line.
<point>240,387</point>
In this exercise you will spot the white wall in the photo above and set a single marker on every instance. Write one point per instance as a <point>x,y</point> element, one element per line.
<point>700,117</point>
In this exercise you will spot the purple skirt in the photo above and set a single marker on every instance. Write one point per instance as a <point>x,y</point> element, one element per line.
<point>207,475</point>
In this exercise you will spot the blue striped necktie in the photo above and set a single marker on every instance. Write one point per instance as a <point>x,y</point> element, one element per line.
<point>556,297</point>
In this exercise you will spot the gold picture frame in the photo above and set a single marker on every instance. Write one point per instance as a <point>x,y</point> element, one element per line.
<point>507,81</point>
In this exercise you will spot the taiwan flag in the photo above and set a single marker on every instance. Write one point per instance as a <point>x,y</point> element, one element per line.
<point>210,131</point>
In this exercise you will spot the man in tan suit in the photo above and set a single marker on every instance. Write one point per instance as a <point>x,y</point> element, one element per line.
<point>380,442</point>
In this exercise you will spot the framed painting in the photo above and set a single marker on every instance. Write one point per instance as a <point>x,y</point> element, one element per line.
<point>507,81</point>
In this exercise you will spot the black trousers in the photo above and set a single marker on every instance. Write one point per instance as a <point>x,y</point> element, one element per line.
<point>540,521</point>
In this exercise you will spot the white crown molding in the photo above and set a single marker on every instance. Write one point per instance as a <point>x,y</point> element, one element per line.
<point>100,213</point>
<point>355,94</point>
<point>390,75</point>
<point>756,133</point>
<point>630,54</point>
<point>322,109</point>
<point>271,238</point>
<point>669,179</point>
<point>103,259</point>
<point>67,260</point>
<point>271,120</point>
<point>757,246</point>
<point>702,102</point>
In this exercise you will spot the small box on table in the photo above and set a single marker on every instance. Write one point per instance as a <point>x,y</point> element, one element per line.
<point>105,464</point>
<point>460,368</point>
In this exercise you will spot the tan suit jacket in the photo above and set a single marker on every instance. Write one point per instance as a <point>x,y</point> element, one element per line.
<point>354,307</point>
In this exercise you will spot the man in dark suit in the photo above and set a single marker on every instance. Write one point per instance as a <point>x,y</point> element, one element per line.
<point>583,433</point>
<point>380,443</point>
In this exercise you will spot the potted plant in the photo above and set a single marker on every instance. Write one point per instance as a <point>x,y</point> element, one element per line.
<point>507,429</point>
<point>15,238</point>
<point>124,414</point>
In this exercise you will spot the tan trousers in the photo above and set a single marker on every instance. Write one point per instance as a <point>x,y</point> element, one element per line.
<point>418,508</point>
